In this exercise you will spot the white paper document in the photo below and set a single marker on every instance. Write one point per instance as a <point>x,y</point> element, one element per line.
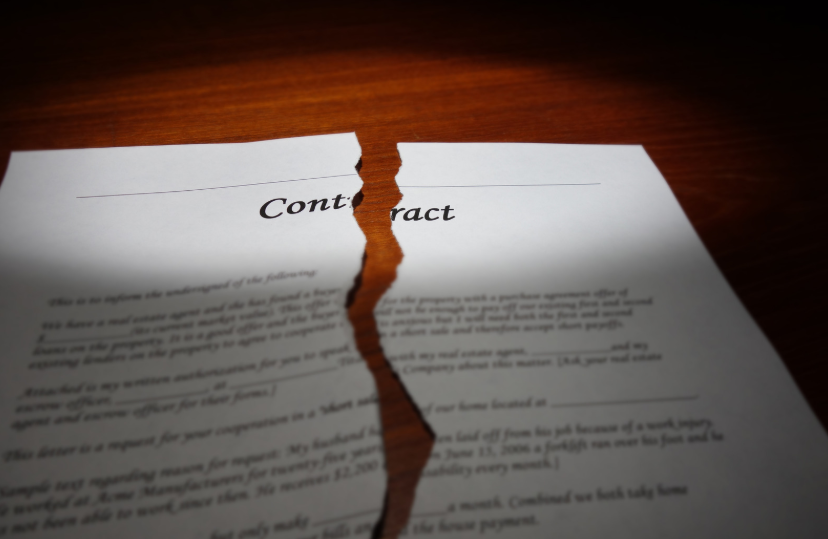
<point>587,370</point>
<point>176,355</point>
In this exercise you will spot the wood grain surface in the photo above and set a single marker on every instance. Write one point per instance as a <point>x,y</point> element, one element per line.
<point>729,102</point>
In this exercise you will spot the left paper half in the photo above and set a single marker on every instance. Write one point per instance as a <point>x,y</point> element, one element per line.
<point>176,355</point>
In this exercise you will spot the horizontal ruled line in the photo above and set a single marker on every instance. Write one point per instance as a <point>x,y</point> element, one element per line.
<point>212,188</point>
<point>150,399</point>
<point>276,380</point>
<point>432,514</point>
<point>573,352</point>
<point>346,517</point>
<point>500,185</point>
<point>623,402</point>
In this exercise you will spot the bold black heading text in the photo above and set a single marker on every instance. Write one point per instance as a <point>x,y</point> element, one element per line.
<point>298,206</point>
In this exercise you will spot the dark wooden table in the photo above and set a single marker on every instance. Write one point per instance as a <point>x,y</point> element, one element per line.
<point>729,102</point>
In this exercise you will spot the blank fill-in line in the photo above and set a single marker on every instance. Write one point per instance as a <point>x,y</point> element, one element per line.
<point>165,397</point>
<point>276,380</point>
<point>110,337</point>
<point>211,188</point>
<point>617,403</point>
<point>432,514</point>
<point>346,517</point>
<point>500,185</point>
<point>572,352</point>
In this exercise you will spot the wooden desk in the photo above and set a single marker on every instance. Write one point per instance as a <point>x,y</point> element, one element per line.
<point>729,104</point>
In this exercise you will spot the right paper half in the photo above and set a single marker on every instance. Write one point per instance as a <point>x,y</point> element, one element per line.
<point>585,366</point>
